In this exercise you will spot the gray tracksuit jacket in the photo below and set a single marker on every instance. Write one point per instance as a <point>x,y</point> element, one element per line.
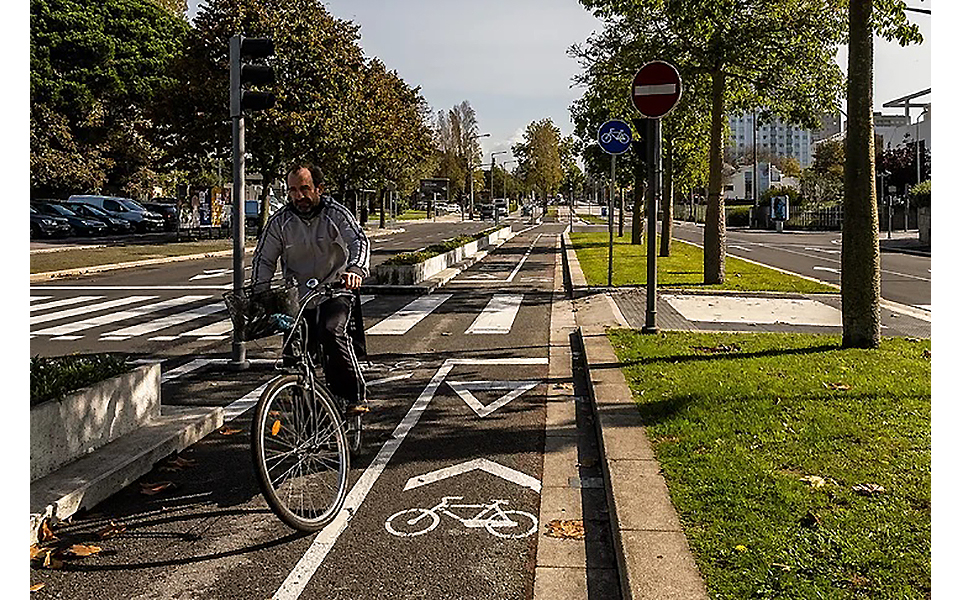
<point>323,246</point>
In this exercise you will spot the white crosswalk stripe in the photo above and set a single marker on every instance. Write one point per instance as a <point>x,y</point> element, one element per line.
<point>73,300</point>
<point>110,304</point>
<point>102,320</point>
<point>164,322</point>
<point>404,319</point>
<point>498,316</point>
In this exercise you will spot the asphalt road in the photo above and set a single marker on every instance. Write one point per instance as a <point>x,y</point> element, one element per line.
<point>457,428</point>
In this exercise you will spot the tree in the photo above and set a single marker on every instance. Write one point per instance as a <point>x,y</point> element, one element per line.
<point>860,250</point>
<point>538,158</point>
<point>357,120</point>
<point>97,70</point>
<point>774,53</point>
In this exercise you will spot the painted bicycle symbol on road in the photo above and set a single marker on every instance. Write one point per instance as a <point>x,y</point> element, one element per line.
<point>509,523</point>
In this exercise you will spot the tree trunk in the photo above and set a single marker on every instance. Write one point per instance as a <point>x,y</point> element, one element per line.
<point>666,198</point>
<point>860,258</point>
<point>714,229</point>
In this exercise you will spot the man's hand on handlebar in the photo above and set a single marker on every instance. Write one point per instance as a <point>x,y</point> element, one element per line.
<point>351,280</point>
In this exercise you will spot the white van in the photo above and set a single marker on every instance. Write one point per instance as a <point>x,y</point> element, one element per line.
<point>125,208</point>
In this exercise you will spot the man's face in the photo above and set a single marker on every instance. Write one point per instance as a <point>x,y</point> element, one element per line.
<point>301,190</point>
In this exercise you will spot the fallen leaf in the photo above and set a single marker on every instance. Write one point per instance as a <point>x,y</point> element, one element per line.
<point>82,550</point>
<point>740,548</point>
<point>565,529</point>
<point>276,428</point>
<point>36,551</point>
<point>869,489</point>
<point>782,566</point>
<point>229,431</point>
<point>52,562</point>
<point>814,481</point>
<point>926,354</point>
<point>46,534</point>
<point>112,530</point>
<point>836,386</point>
<point>720,348</point>
<point>36,587</point>
<point>154,488</point>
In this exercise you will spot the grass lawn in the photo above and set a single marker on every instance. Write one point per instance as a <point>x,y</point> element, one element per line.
<point>108,255</point>
<point>411,214</point>
<point>799,469</point>
<point>682,269</point>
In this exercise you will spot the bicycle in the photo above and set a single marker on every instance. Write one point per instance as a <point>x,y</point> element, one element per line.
<point>508,523</point>
<point>300,440</point>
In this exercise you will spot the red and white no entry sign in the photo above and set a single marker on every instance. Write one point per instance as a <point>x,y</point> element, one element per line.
<point>656,89</point>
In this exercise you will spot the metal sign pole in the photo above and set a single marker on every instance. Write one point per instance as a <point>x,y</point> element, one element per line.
<point>613,182</point>
<point>650,326</point>
<point>239,352</point>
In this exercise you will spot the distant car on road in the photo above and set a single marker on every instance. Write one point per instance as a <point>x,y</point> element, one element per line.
<point>47,226</point>
<point>115,225</point>
<point>166,208</point>
<point>83,226</point>
<point>125,208</point>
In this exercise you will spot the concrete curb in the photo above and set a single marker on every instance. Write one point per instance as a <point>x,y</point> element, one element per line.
<point>653,557</point>
<point>106,471</point>
<point>52,275</point>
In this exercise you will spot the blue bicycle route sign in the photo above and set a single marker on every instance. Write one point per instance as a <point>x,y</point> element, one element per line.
<point>614,137</point>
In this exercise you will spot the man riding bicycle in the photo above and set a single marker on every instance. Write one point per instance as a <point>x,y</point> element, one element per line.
<point>316,237</point>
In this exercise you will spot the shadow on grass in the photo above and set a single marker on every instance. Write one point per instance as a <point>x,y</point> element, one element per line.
<point>694,358</point>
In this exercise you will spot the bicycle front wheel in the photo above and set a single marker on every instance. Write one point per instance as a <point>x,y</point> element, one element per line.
<point>300,454</point>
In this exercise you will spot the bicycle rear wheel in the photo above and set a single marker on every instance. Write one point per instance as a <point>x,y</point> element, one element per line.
<point>300,454</point>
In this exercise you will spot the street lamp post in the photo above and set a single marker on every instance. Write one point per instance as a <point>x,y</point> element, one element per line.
<point>493,164</point>
<point>473,138</point>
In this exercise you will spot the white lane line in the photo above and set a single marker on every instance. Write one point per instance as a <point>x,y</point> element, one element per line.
<point>170,320</point>
<point>217,328</point>
<point>198,287</point>
<point>301,574</point>
<point>404,319</point>
<point>39,298</point>
<point>63,302</point>
<point>117,302</point>
<point>520,264</point>
<point>830,269</point>
<point>498,316</point>
<point>102,320</point>
<point>389,379</point>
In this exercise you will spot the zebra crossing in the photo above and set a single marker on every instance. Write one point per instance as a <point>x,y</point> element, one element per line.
<point>203,317</point>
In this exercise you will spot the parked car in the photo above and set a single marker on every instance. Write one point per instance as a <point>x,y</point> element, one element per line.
<point>115,225</point>
<point>47,226</point>
<point>167,209</point>
<point>83,226</point>
<point>125,208</point>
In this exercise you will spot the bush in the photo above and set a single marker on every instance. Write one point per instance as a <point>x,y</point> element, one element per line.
<point>52,378</point>
<point>920,194</point>
<point>738,216</point>
<point>795,198</point>
<point>436,249</point>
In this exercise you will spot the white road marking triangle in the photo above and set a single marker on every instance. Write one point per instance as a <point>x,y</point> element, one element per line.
<point>515,388</point>
<point>491,467</point>
<point>211,273</point>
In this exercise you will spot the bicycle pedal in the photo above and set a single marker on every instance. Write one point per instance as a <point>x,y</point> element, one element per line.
<point>357,410</point>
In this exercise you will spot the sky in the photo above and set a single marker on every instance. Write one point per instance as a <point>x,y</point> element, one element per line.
<point>509,58</point>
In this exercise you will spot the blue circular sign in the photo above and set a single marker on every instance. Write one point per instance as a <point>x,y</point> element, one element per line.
<point>614,137</point>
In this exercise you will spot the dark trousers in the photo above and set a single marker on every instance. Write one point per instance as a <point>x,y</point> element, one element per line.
<point>327,332</point>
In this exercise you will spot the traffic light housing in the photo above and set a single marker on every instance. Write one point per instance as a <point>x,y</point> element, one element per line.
<point>243,74</point>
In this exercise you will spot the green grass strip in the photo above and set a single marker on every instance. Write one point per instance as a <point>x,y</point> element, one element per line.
<point>800,470</point>
<point>75,258</point>
<point>682,269</point>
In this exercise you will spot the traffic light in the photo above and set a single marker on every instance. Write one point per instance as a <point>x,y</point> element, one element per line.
<point>242,75</point>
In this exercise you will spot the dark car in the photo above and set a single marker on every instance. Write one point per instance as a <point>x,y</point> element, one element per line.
<point>83,226</point>
<point>47,226</point>
<point>115,225</point>
<point>167,210</point>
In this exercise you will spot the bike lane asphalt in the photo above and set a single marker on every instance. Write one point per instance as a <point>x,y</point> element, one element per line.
<point>456,416</point>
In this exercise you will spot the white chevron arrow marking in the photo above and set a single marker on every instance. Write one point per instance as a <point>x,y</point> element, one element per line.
<point>491,467</point>
<point>515,387</point>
